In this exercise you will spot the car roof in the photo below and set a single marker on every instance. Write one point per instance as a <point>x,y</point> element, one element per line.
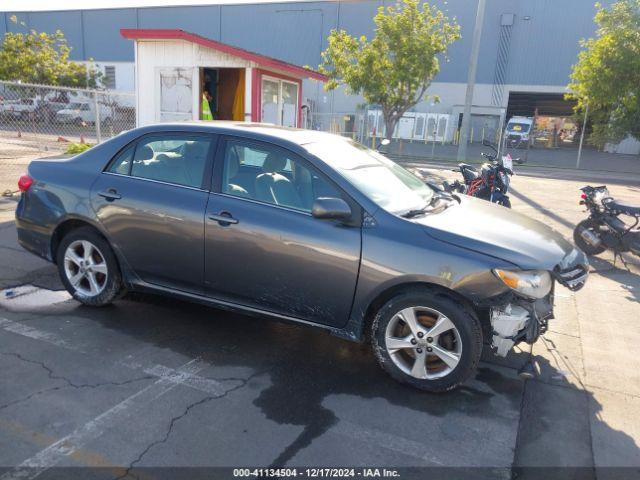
<point>293,135</point>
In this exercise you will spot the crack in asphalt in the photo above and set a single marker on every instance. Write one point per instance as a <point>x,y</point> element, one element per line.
<point>187,409</point>
<point>68,382</point>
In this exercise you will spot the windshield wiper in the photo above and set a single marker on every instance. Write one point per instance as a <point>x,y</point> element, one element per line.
<point>420,211</point>
<point>432,203</point>
<point>415,213</point>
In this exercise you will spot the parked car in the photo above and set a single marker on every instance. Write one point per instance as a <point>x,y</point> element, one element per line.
<point>300,226</point>
<point>48,109</point>
<point>82,113</point>
<point>19,109</point>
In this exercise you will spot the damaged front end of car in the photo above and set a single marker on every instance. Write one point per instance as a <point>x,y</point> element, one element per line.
<point>522,315</point>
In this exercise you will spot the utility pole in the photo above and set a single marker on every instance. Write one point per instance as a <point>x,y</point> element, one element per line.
<point>471,81</point>
<point>584,127</point>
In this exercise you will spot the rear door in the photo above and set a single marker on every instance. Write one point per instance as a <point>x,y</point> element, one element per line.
<point>151,200</point>
<point>263,249</point>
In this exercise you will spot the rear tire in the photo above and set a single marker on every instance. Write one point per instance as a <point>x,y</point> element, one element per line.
<point>436,349</point>
<point>505,202</point>
<point>88,268</point>
<point>581,243</point>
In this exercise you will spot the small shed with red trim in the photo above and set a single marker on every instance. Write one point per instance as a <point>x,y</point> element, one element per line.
<point>181,76</point>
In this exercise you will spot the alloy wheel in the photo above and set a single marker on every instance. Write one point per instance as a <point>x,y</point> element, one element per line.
<point>85,268</point>
<point>423,343</point>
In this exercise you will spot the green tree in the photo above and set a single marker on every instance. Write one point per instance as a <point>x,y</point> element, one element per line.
<point>394,68</point>
<point>43,58</point>
<point>607,75</point>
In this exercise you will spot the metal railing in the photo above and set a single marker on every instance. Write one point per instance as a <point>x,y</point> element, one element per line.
<point>43,120</point>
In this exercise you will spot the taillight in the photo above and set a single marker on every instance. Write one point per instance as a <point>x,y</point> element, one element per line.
<point>583,196</point>
<point>25,182</point>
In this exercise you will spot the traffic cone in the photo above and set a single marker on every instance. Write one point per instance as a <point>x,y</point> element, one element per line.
<point>82,139</point>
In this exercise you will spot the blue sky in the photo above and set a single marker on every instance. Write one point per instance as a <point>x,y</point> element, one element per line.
<point>34,5</point>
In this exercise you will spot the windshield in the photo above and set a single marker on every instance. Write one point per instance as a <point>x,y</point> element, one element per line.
<point>384,182</point>
<point>75,106</point>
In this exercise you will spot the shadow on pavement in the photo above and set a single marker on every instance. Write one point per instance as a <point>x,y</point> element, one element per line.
<point>541,208</point>
<point>626,276</point>
<point>306,365</point>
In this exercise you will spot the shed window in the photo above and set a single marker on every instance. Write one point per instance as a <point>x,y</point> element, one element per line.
<point>109,79</point>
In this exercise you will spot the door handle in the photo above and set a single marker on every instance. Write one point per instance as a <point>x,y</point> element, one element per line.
<point>110,195</point>
<point>223,218</point>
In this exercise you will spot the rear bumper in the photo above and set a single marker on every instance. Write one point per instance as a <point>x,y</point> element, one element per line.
<point>31,237</point>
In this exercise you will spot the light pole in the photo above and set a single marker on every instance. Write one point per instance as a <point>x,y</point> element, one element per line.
<point>471,81</point>
<point>584,127</point>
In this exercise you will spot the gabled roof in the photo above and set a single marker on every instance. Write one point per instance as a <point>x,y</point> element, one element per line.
<point>262,60</point>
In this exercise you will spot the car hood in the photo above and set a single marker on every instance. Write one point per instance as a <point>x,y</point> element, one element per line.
<point>500,232</point>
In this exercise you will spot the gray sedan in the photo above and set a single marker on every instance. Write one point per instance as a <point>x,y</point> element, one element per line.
<point>299,226</point>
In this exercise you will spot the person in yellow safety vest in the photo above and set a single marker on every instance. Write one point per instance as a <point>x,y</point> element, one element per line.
<point>206,106</point>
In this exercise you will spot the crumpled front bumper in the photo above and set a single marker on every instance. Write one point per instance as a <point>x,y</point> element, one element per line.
<point>517,319</point>
<point>573,271</point>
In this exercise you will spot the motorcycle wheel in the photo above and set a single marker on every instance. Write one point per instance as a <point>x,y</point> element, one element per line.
<point>505,202</point>
<point>581,243</point>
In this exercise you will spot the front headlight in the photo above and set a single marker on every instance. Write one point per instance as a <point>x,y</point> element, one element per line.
<point>530,283</point>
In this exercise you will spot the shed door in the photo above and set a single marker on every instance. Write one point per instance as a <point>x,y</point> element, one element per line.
<point>279,102</point>
<point>176,95</point>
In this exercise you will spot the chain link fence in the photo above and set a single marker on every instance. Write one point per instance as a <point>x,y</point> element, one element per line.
<point>418,135</point>
<point>547,141</point>
<point>40,120</point>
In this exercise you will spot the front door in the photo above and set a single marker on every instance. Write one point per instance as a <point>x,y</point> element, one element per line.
<point>264,250</point>
<point>151,201</point>
<point>279,102</point>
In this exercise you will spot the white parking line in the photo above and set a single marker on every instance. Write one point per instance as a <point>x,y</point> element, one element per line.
<point>206,385</point>
<point>30,332</point>
<point>54,453</point>
<point>202,384</point>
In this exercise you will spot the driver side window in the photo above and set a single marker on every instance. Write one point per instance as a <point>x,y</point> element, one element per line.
<point>271,175</point>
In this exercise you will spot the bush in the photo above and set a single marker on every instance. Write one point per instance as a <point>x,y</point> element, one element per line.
<point>76,148</point>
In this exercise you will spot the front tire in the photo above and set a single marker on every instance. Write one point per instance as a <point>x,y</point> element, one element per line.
<point>88,268</point>
<point>581,243</point>
<point>427,340</point>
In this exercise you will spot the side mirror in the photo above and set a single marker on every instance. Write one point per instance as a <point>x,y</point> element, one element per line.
<point>327,208</point>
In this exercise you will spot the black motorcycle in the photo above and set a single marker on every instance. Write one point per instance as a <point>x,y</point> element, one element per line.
<point>604,230</point>
<point>490,182</point>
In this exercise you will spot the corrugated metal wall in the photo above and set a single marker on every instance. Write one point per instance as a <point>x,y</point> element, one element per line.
<point>542,51</point>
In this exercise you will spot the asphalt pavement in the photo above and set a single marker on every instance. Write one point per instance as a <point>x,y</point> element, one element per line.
<point>153,382</point>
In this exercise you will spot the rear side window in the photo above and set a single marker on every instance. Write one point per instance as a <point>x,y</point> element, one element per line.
<point>180,159</point>
<point>122,163</point>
